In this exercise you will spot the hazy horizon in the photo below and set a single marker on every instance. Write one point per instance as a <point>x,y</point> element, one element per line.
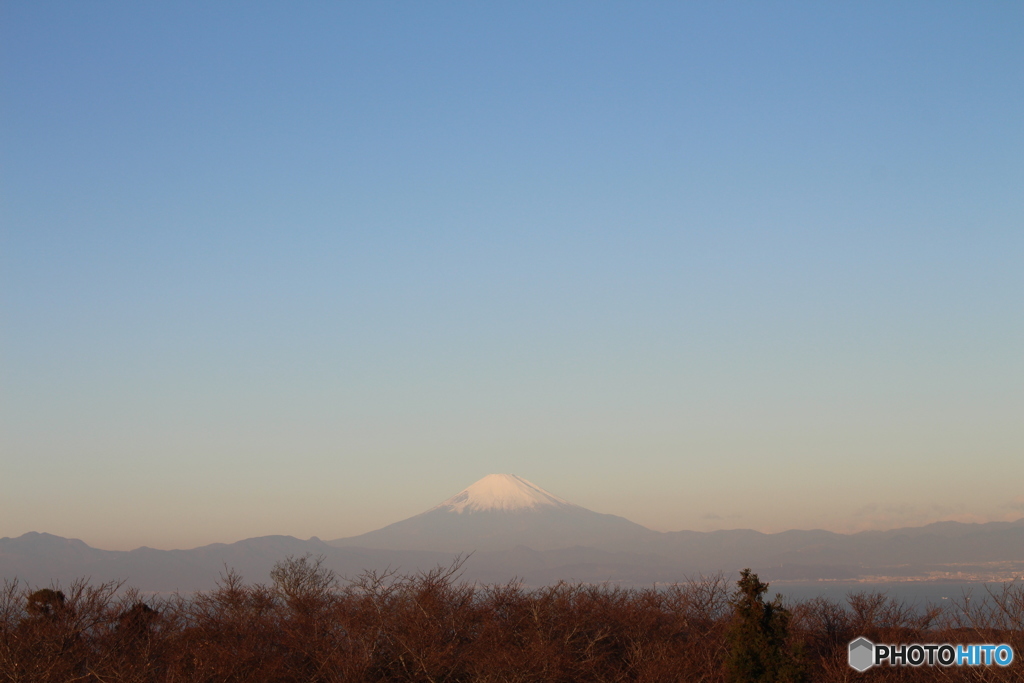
<point>309,271</point>
<point>329,538</point>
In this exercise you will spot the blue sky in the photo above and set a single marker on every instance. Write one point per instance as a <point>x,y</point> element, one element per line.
<point>310,270</point>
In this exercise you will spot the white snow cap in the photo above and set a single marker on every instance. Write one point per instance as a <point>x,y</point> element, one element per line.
<point>501,492</point>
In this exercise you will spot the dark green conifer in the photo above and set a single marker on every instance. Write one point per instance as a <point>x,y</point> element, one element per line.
<point>757,640</point>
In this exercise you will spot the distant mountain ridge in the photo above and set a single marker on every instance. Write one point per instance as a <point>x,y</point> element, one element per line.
<point>512,528</point>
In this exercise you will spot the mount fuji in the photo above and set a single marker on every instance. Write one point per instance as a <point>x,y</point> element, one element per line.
<point>502,512</point>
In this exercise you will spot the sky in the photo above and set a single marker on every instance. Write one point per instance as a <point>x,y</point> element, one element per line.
<point>311,269</point>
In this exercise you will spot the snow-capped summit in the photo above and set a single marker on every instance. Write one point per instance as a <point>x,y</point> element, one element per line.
<point>501,492</point>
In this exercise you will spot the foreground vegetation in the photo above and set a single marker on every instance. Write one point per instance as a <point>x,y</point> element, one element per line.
<point>308,626</point>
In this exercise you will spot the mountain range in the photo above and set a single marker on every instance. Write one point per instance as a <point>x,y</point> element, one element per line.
<point>510,528</point>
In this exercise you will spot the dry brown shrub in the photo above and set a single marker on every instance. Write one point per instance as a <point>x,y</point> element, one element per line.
<point>431,626</point>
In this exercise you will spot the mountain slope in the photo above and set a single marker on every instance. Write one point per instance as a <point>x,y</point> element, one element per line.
<point>40,559</point>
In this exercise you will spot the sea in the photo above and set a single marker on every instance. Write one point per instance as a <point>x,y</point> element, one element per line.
<point>918,594</point>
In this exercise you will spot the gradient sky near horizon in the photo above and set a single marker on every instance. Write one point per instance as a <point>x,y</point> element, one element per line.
<point>310,269</point>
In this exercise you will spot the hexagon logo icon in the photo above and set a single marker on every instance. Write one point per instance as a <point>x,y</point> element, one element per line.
<point>862,654</point>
